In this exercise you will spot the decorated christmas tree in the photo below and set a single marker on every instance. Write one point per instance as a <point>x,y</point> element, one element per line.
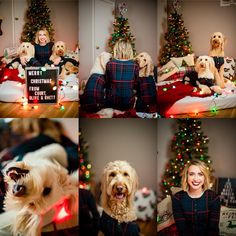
<point>187,144</point>
<point>84,164</point>
<point>177,37</point>
<point>121,29</point>
<point>37,17</point>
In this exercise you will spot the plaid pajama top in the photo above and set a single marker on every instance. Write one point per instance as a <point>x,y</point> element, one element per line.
<point>121,78</point>
<point>42,54</point>
<point>196,216</point>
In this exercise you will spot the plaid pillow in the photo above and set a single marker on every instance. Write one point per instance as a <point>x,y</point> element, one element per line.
<point>146,93</point>
<point>121,78</point>
<point>181,73</point>
<point>93,98</point>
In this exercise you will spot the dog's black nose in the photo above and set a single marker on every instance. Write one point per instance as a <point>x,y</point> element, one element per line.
<point>119,188</point>
<point>18,190</point>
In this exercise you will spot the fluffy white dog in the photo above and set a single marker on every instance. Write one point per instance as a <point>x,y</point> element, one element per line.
<point>99,66</point>
<point>36,185</point>
<point>208,76</point>
<point>119,183</point>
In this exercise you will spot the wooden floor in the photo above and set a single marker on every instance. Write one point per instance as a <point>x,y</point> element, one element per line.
<point>225,113</point>
<point>16,110</point>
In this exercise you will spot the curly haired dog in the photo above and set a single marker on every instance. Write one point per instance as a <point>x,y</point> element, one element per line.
<point>217,52</point>
<point>99,66</point>
<point>25,51</point>
<point>36,185</point>
<point>145,64</point>
<point>119,183</point>
<point>205,76</point>
<point>58,50</point>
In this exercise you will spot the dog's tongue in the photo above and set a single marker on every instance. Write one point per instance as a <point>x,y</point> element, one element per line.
<point>120,196</point>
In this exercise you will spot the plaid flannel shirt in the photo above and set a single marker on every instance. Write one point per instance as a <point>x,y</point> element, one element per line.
<point>121,79</point>
<point>93,98</point>
<point>197,216</point>
<point>42,55</point>
<point>111,227</point>
<point>146,93</point>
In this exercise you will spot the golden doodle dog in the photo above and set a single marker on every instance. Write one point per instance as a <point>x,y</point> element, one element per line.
<point>100,63</point>
<point>205,76</point>
<point>119,184</point>
<point>36,185</point>
<point>58,50</point>
<point>217,42</point>
<point>146,65</point>
<point>25,51</point>
<point>217,52</point>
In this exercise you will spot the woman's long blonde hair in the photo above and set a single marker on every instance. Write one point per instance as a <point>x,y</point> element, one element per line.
<point>37,35</point>
<point>123,50</point>
<point>204,169</point>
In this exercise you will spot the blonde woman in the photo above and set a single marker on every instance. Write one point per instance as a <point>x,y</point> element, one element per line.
<point>196,208</point>
<point>121,77</point>
<point>43,49</point>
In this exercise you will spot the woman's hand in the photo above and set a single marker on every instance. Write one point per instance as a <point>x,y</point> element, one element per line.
<point>57,60</point>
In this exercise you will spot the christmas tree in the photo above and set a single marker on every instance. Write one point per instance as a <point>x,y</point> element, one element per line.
<point>187,144</point>
<point>121,30</point>
<point>38,17</point>
<point>177,38</point>
<point>84,164</point>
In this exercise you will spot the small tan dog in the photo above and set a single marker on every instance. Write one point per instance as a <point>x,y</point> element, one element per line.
<point>58,50</point>
<point>217,43</point>
<point>36,185</point>
<point>99,66</point>
<point>145,64</point>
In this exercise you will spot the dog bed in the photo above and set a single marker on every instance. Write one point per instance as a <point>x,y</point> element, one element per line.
<point>176,98</point>
<point>179,99</point>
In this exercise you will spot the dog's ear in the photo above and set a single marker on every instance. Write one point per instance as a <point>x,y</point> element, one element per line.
<point>212,65</point>
<point>223,42</point>
<point>150,69</point>
<point>32,50</point>
<point>197,67</point>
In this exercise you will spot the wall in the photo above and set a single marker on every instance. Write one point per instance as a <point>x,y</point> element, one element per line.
<point>202,18</point>
<point>64,16</point>
<point>129,139</point>
<point>71,127</point>
<point>221,133</point>
<point>142,17</point>
<point>85,37</point>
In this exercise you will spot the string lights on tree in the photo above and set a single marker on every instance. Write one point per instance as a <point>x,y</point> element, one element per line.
<point>84,164</point>
<point>121,29</point>
<point>187,144</point>
<point>177,37</point>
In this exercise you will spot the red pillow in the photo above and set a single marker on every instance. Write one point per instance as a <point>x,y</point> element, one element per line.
<point>10,74</point>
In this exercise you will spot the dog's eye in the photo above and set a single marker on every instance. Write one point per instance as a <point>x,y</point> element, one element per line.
<point>27,46</point>
<point>112,174</point>
<point>126,174</point>
<point>58,46</point>
<point>214,36</point>
<point>46,191</point>
<point>145,60</point>
<point>205,59</point>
